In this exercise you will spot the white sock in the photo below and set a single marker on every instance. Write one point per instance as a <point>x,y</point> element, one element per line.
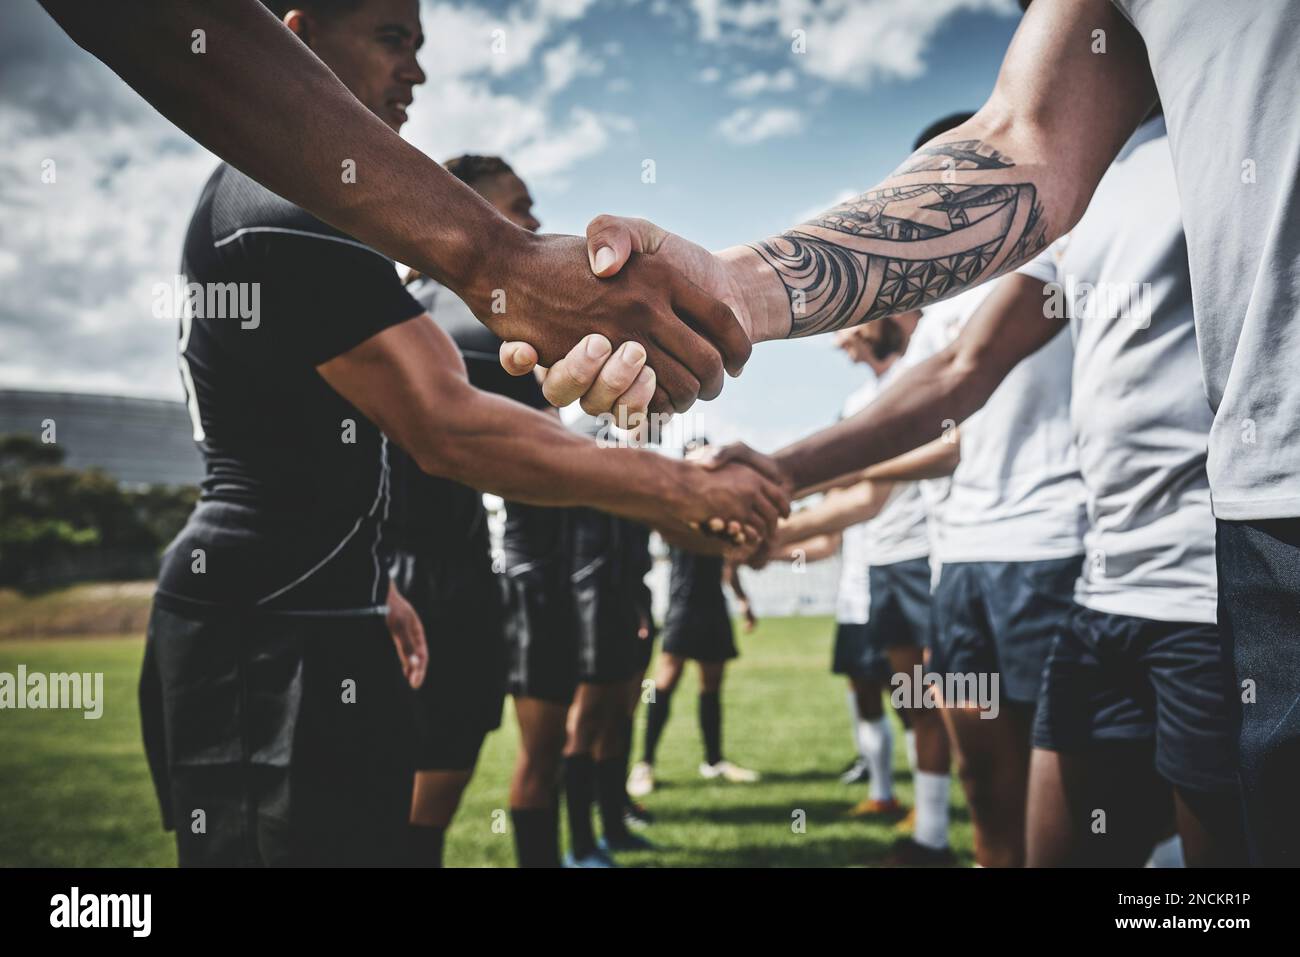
<point>856,723</point>
<point>911,750</point>
<point>1168,853</point>
<point>931,809</point>
<point>879,739</point>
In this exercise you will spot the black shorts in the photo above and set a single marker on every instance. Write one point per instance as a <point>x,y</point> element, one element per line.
<point>605,604</point>
<point>854,656</point>
<point>278,740</point>
<point>701,633</point>
<point>1000,618</point>
<point>899,613</point>
<point>1259,617</point>
<point>541,631</point>
<point>464,687</point>
<point>1116,678</point>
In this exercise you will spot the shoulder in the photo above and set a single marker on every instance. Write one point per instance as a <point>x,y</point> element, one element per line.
<point>241,209</point>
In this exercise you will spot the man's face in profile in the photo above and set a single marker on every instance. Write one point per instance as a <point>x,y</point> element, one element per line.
<point>510,196</point>
<point>372,50</point>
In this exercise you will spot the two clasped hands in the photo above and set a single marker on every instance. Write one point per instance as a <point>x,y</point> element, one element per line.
<point>690,315</point>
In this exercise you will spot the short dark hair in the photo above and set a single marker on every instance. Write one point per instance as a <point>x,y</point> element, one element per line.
<point>950,122</point>
<point>471,168</point>
<point>320,8</point>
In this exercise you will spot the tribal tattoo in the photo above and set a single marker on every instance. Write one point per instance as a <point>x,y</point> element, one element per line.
<point>899,247</point>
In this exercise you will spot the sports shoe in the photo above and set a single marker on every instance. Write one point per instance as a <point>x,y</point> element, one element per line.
<point>908,853</point>
<point>628,842</point>
<point>642,780</point>
<point>636,816</point>
<point>875,807</point>
<point>859,772</point>
<point>597,858</point>
<point>732,773</point>
<point>908,824</point>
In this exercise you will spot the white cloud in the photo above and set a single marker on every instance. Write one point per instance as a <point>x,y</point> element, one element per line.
<point>746,126</point>
<point>565,62</point>
<point>754,84</point>
<point>710,74</point>
<point>848,42</point>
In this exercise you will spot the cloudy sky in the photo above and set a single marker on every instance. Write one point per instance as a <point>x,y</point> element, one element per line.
<point>747,138</point>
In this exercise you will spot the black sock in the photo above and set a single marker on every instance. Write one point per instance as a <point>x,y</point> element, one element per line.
<point>711,725</point>
<point>425,844</point>
<point>611,797</point>
<point>656,718</point>
<point>579,791</point>
<point>537,835</point>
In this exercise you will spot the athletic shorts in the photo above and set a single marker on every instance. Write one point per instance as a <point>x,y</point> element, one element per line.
<point>899,613</point>
<point>1259,618</point>
<point>278,740</point>
<point>854,656</point>
<point>1116,678</point>
<point>541,631</point>
<point>701,633</point>
<point>605,604</point>
<point>464,687</point>
<point>1000,618</point>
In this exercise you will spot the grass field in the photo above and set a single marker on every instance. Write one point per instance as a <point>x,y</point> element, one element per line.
<point>75,792</point>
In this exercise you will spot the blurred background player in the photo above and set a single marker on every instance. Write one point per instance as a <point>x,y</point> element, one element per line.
<point>697,628</point>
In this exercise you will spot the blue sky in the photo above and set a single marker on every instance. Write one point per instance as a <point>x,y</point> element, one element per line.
<point>747,138</point>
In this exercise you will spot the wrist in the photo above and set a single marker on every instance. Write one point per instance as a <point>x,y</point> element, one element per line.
<point>765,302</point>
<point>491,270</point>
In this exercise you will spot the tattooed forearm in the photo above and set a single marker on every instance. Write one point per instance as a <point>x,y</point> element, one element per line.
<point>949,218</point>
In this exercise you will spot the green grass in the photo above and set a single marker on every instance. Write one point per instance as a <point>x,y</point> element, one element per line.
<point>77,793</point>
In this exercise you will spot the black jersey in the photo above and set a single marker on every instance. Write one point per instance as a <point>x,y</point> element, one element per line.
<point>297,479</point>
<point>438,519</point>
<point>695,585</point>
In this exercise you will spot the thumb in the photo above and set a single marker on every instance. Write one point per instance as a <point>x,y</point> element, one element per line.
<point>612,239</point>
<point>518,358</point>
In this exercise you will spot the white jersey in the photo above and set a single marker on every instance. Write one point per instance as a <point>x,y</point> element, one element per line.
<point>935,331</point>
<point>853,600</point>
<point>1227,74</point>
<point>1016,495</point>
<point>1141,422</point>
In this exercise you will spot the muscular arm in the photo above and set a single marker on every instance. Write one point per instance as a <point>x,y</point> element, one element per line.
<point>973,203</point>
<point>411,382</point>
<point>260,99</point>
<point>946,388</point>
<point>933,460</point>
<point>814,549</point>
<point>836,512</point>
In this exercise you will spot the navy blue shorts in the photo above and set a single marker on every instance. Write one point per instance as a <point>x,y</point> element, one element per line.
<point>1000,618</point>
<point>854,656</point>
<point>1259,618</point>
<point>1116,678</point>
<point>900,613</point>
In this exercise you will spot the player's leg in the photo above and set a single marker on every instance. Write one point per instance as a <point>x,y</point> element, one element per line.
<point>875,736</point>
<point>434,802</point>
<point>993,764</point>
<point>534,786</point>
<point>1094,794</point>
<point>588,717</point>
<point>667,675</point>
<point>931,770</point>
<point>1101,807</point>
<point>1195,749</point>
<point>634,813</point>
<point>716,765</point>
<point>611,748</point>
<point>847,655</point>
<point>1027,604</point>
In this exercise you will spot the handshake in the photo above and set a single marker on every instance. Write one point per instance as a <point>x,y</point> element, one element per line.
<point>657,320</point>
